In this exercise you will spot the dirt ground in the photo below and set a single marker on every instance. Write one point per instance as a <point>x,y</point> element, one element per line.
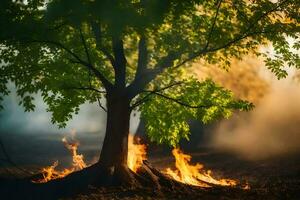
<point>277,178</point>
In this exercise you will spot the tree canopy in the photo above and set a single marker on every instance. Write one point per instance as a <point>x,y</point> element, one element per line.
<point>74,51</point>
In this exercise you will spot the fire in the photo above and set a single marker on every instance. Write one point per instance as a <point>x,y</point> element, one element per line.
<point>185,172</point>
<point>78,162</point>
<point>136,154</point>
<point>50,173</point>
<point>193,174</point>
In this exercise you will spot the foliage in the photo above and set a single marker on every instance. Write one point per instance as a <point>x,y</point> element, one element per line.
<point>202,101</point>
<point>74,51</point>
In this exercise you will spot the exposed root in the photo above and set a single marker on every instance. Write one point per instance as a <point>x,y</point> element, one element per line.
<point>162,180</point>
<point>148,177</point>
<point>125,177</point>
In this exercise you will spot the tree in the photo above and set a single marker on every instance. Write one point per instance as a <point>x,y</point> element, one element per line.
<point>133,54</point>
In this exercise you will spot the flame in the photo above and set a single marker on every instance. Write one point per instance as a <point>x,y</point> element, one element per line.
<point>185,172</point>
<point>193,174</point>
<point>50,173</point>
<point>136,154</point>
<point>78,162</point>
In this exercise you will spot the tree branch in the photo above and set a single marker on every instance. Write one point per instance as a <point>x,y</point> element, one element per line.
<point>96,28</point>
<point>97,73</point>
<point>213,24</point>
<point>120,61</point>
<point>87,54</point>
<point>85,88</point>
<point>245,34</point>
<point>142,57</point>
<point>85,47</point>
<point>166,62</point>
<point>147,76</point>
<point>180,102</point>
<point>100,105</point>
<point>144,99</point>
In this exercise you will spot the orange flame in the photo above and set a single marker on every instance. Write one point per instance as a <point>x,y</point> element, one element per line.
<point>185,172</point>
<point>136,154</point>
<point>50,173</point>
<point>78,162</point>
<point>192,174</point>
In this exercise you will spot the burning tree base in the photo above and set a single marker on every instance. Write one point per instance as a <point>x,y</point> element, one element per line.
<point>138,174</point>
<point>185,172</point>
<point>100,178</point>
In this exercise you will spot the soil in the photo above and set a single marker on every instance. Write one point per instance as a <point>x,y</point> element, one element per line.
<point>277,178</point>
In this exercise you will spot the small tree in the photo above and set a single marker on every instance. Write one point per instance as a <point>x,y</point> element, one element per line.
<point>133,54</point>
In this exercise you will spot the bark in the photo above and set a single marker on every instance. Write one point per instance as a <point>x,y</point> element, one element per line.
<point>115,146</point>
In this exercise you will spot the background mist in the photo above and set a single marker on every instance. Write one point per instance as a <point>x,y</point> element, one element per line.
<point>31,139</point>
<point>271,129</point>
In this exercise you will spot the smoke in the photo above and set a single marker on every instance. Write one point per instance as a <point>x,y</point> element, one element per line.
<point>14,119</point>
<point>91,119</point>
<point>271,129</point>
<point>244,78</point>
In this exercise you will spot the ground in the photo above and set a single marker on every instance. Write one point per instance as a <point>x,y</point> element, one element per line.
<point>277,178</point>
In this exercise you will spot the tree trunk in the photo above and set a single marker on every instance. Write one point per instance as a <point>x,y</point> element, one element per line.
<point>115,146</point>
